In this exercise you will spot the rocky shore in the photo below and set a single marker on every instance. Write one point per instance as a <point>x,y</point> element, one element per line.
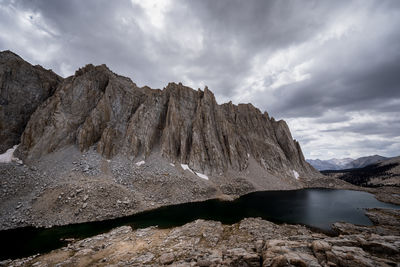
<point>251,242</point>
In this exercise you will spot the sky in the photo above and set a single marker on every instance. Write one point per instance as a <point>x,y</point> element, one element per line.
<point>331,69</point>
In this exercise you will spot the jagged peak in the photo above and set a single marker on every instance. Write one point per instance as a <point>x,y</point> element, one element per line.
<point>208,93</point>
<point>283,125</point>
<point>178,89</point>
<point>7,54</point>
<point>171,87</point>
<point>147,88</point>
<point>248,105</point>
<point>92,68</point>
<point>174,85</point>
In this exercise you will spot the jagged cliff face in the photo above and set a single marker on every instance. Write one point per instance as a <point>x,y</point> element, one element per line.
<point>96,146</point>
<point>96,107</point>
<point>23,88</point>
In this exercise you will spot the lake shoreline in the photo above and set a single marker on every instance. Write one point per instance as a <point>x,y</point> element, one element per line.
<point>155,217</point>
<point>251,241</point>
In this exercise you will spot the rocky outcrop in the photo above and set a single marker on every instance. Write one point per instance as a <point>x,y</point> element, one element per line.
<point>78,112</point>
<point>96,107</point>
<point>251,242</point>
<point>23,88</point>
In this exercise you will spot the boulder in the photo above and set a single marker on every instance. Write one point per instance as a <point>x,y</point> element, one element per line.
<point>167,258</point>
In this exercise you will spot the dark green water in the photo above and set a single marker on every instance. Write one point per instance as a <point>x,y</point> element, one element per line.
<point>317,208</point>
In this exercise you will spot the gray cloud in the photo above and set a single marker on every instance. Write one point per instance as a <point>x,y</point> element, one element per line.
<point>315,63</point>
<point>386,128</point>
<point>362,89</point>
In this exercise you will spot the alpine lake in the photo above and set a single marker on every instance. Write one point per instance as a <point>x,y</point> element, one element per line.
<point>316,208</point>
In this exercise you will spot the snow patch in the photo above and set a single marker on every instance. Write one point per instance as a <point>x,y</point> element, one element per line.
<point>202,175</point>
<point>8,156</point>
<point>296,174</point>
<point>248,155</point>
<point>173,165</point>
<point>140,163</point>
<point>186,167</point>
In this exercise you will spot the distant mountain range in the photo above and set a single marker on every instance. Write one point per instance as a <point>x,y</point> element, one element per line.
<point>345,163</point>
<point>382,173</point>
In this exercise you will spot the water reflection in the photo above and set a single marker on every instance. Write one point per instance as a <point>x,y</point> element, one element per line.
<point>325,207</point>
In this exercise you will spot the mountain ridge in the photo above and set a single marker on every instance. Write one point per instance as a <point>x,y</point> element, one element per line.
<point>378,174</point>
<point>187,126</point>
<point>100,147</point>
<point>345,163</point>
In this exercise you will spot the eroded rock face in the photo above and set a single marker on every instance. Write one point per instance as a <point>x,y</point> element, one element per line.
<point>98,107</point>
<point>23,88</point>
<point>82,111</point>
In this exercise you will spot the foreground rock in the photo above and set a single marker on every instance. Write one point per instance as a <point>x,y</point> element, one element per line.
<point>23,88</point>
<point>252,242</point>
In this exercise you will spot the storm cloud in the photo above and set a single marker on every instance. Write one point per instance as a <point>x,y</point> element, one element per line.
<point>330,68</point>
